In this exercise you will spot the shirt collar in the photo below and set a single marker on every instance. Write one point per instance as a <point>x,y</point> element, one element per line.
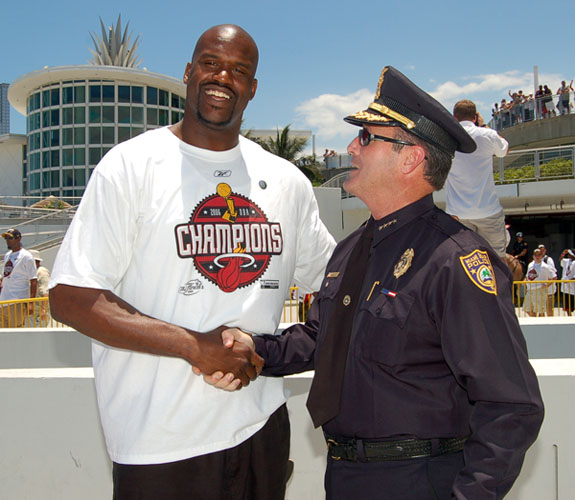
<point>393,222</point>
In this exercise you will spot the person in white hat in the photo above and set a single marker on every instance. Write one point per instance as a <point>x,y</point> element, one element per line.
<point>43,274</point>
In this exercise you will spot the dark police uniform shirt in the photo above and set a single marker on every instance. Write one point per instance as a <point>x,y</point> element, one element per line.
<point>436,348</point>
<point>518,247</point>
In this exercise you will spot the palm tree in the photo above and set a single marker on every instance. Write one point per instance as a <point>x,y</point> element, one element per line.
<point>114,48</point>
<point>283,145</point>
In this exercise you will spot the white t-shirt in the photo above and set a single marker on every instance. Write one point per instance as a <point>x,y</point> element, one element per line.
<point>549,261</point>
<point>19,269</point>
<point>200,239</point>
<point>568,266</point>
<point>539,272</point>
<point>470,189</point>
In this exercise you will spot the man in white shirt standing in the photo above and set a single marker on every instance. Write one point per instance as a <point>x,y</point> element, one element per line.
<point>181,230</point>
<point>19,280</point>
<point>535,303</point>
<point>553,288</point>
<point>470,189</point>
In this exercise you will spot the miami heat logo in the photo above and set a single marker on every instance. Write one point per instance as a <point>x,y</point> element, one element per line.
<point>229,238</point>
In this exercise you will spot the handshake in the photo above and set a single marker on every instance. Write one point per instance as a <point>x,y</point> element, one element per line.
<point>227,358</point>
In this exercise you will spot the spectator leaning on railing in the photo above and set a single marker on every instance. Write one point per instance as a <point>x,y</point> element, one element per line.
<point>564,92</point>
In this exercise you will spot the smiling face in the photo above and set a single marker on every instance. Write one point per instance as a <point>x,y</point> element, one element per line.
<point>221,79</point>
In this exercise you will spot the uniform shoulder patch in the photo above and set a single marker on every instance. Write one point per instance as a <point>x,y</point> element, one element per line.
<point>479,270</point>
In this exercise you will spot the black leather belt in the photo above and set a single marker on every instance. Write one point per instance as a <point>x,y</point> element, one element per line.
<point>360,450</point>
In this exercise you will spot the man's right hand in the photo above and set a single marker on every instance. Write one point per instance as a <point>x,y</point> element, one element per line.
<point>230,337</point>
<point>229,351</point>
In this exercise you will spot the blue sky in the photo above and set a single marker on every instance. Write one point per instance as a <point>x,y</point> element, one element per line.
<point>319,60</point>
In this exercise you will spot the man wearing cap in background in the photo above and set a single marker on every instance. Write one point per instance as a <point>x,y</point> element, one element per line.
<point>520,249</point>
<point>470,189</point>
<point>422,382</point>
<point>19,280</point>
<point>547,259</point>
<point>43,274</point>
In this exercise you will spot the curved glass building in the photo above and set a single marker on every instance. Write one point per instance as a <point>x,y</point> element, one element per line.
<point>75,114</point>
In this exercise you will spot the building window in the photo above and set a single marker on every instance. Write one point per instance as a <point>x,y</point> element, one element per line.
<point>79,135</point>
<point>107,93</point>
<point>79,94</point>
<point>80,115</point>
<point>123,93</point>
<point>95,93</point>
<point>67,116</point>
<point>152,97</point>
<point>79,157</point>
<point>123,134</point>
<point>67,157</point>
<point>138,95</point>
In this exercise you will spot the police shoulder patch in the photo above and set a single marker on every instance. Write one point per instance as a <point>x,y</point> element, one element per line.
<point>479,270</point>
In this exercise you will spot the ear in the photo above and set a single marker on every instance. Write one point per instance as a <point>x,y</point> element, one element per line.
<point>187,72</point>
<point>254,88</point>
<point>413,157</point>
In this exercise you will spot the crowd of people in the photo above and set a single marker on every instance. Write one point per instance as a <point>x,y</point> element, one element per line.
<point>522,107</point>
<point>541,293</point>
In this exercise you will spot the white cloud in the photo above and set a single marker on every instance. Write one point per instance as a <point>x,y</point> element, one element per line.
<point>325,113</point>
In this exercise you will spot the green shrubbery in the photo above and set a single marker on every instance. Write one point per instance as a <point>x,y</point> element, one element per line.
<point>554,169</point>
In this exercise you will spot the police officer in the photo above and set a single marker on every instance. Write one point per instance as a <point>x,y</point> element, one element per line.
<point>437,395</point>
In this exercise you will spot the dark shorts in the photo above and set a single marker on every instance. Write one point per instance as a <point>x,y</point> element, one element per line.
<point>429,478</point>
<point>254,470</point>
<point>568,302</point>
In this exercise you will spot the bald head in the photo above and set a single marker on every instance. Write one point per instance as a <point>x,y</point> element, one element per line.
<point>228,34</point>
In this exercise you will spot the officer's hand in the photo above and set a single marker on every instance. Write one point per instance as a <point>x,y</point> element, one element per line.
<point>238,360</point>
<point>228,382</point>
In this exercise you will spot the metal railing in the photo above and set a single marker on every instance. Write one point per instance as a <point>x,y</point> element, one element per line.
<point>529,165</point>
<point>296,306</point>
<point>35,313</point>
<point>532,298</point>
<point>524,165</point>
<point>545,107</point>
<point>27,313</point>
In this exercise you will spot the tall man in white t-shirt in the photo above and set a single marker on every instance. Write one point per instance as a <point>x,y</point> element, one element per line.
<point>181,230</point>
<point>19,280</point>
<point>470,189</point>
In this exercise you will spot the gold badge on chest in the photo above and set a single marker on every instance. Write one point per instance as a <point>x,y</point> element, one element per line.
<point>404,263</point>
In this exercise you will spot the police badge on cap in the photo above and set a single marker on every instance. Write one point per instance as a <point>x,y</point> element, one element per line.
<point>399,102</point>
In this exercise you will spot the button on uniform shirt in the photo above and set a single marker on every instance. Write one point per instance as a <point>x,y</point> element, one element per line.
<point>436,349</point>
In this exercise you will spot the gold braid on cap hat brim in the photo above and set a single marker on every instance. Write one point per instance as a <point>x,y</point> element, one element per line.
<point>380,108</point>
<point>387,115</point>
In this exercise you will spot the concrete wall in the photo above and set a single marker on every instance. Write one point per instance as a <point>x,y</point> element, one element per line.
<point>11,164</point>
<point>557,131</point>
<point>53,449</point>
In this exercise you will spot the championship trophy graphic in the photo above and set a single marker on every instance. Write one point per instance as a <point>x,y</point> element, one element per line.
<point>229,238</point>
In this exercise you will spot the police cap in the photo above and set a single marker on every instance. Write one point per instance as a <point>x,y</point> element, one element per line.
<point>399,102</point>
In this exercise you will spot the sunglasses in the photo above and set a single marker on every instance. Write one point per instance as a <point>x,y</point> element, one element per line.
<point>8,237</point>
<point>365,137</point>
